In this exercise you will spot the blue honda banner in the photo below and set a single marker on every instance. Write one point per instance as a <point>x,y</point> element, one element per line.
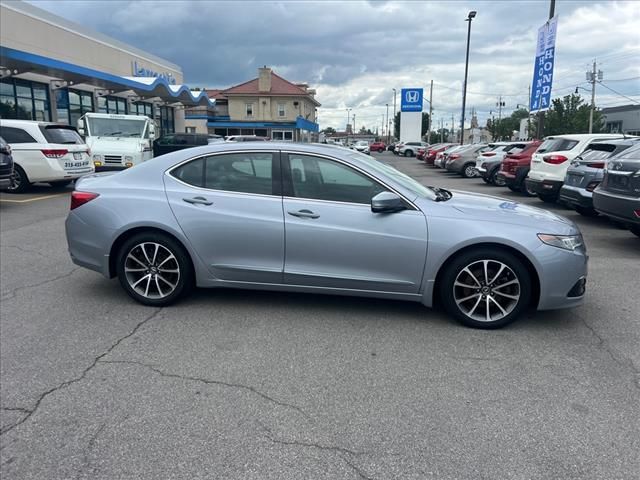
<point>411,100</point>
<point>543,67</point>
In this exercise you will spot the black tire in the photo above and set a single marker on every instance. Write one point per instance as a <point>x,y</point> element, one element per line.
<point>526,191</point>
<point>408,153</point>
<point>183,279</point>
<point>469,170</point>
<point>513,188</point>
<point>516,269</point>
<point>586,211</point>
<point>380,150</point>
<point>635,229</point>
<point>486,180</point>
<point>20,182</point>
<point>61,183</point>
<point>548,198</point>
<point>495,180</point>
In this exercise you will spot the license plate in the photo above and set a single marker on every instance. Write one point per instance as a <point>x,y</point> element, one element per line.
<point>77,155</point>
<point>76,164</point>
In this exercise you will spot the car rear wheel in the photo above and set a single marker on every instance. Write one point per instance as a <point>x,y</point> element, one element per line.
<point>587,212</point>
<point>154,269</point>
<point>485,288</point>
<point>408,153</point>
<point>469,170</point>
<point>635,229</point>
<point>19,180</point>
<point>513,188</point>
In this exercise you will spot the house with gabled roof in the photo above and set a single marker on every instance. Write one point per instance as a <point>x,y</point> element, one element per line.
<point>267,106</point>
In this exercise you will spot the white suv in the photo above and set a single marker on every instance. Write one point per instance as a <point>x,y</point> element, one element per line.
<point>410,149</point>
<point>45,152</point>
<point>550,162</point>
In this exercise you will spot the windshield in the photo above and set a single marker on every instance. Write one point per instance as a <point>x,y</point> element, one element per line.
<point>405,181</point>
<point>362,144</point>
<point>115,127</point>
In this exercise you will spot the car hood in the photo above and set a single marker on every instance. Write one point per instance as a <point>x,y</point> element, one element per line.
<point>496,209</point>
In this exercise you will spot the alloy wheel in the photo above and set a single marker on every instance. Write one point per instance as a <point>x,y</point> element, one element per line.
<point>152,270</point>
<point>470,171</point>
<point>486,290</point>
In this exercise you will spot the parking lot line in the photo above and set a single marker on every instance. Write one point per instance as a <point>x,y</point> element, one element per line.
<point>35,199</point>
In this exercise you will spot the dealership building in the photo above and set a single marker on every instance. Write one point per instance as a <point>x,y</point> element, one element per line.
<point>52,69</point>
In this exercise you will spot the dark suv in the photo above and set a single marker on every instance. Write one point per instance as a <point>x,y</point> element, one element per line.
<point>618,196</point>
<point>178,141</point>
<point>6,165</point>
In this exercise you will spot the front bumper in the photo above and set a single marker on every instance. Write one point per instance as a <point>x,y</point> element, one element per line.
<point>576,197</point>
<point>562,277</point>
<point>544,187</point>
<point>618,207</point>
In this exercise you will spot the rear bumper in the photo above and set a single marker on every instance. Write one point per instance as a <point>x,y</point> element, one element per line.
<point>618,207</point>
<point>576,197</point>
<point>544,187</point>
<point>87,247</point>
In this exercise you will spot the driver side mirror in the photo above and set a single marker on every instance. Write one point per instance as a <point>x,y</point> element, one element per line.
<point>387,202</point>
<point>81,126</point>
<point>152,131</point>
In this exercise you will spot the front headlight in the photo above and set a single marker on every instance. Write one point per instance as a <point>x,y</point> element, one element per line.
<point>128,158</point>
<point>566,242</point>
<point>97,158</point>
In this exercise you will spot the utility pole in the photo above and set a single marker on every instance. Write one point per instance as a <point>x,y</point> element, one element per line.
<point>441,131</point>
<point>592,78</point>
<point>552,12</point>
<point>354,124</point>
<point>453,131</point>
<point>529,136</point>
<point>387,123</point>
<point>430,111</point>
<point>394,112</point>
<point>500,104</point>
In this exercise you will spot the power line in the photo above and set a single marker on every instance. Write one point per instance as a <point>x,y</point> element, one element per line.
<point>618,93</point>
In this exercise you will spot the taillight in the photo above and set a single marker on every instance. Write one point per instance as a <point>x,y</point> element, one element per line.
<point>80,198</point>
<point>54,153</point>
<point>454,156</point>
<point>489,154</point>
<point>596,165</point>
<point>637,213</point>
<point>555,159</point>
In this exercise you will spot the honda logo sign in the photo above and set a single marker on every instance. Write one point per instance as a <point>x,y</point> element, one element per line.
<point>411,100</point>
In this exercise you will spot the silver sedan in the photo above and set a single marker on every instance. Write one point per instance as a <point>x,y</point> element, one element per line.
<point>320,219</point>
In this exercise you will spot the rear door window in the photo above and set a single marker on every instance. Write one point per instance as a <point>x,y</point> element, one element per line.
<point>61,134</point>
<point>240,172</point>
<point>15,135</point>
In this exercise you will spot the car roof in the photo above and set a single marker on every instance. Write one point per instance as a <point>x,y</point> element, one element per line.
<point>31,122</point>
<point>586,136</point>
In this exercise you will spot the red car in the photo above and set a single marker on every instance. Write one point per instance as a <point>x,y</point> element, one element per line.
<point>516,166</point>
<point>430,154</point>
<point>421,152</point>
<point>377,147</point>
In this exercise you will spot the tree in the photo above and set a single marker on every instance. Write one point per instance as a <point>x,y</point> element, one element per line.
<point>424,129</point>
<point>503,129</point>
<point>570,114</point>
<point>329,131</point>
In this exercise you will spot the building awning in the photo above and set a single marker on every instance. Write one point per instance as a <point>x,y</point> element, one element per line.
<point>145,87</point>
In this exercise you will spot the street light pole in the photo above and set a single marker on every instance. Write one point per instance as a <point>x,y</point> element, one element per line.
<point>469,18</point>
<point>387,123</point>
<point>394,112</point>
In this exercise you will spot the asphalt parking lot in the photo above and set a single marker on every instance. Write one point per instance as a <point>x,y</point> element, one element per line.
<point>263,385</point>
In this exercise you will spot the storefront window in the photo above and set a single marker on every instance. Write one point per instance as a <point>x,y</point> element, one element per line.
<point>72,104</point>
<point>24,100</point>
<point>142,108</point>
<point>286,135</point>
<point>112,105</point>
<point>167,120</point>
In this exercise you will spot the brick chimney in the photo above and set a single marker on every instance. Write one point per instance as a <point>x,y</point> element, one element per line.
<point>264,79</point>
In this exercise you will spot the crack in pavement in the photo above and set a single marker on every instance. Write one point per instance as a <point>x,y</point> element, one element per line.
<point>341,451</point>
<point>16,409</point>
<point>602,343</point>
<point>207,381</point>
<point>25,250</point>
<point>66,383</point>
<point>88,449</point>
<point>12,294</point>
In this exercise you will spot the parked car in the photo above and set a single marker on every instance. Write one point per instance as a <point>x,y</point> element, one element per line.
<point>434,150</point>
<point>6,165</point>
<point>351,224</point>
<point>177,141</point>
<point>397,147</point>
<point>618,195</point>
<point>422,151</point>
<point>463,161</point>
<point>391,147</point>
<point>586,172</point>
<point>515,167</point>
<point>550,163</point>
<point>410,149</point>
<point>378,147</point>
<point>488,162</point>
<point>361,146</point>
<point>44,152</point>
<point>441,158</point>
<point>245,138</point>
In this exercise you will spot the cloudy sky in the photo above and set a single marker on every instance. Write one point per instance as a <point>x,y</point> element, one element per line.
<point>355,52</point>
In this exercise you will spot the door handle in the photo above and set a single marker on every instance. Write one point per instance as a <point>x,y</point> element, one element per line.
<point>198,201</point>
<point>304,214</point>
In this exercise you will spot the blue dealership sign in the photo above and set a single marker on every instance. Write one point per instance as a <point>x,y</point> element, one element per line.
<point>543,67</point>
<point>411,100</point>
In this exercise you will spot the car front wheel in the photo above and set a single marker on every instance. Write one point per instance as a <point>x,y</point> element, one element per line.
<point>408,153</point>
<point>154,269</point>
<point>485,288</point>
<point>469,170</point>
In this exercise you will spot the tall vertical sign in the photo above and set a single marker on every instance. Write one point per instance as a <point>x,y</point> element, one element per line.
<point>543,67</point>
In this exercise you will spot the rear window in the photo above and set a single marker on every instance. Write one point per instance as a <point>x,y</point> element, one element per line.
<point>631,153</point>
<point>557,145</point>
<point>61,134</point>
<point>595,154</point>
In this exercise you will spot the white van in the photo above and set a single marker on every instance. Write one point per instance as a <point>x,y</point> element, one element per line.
<point>117,141</point>
<point>549,164</point>
<point>44,152</point>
